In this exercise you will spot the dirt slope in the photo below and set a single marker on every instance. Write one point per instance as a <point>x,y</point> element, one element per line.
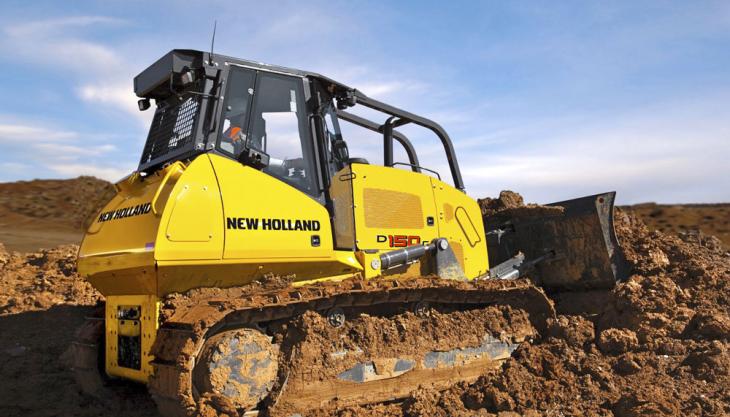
<point>46,213</point>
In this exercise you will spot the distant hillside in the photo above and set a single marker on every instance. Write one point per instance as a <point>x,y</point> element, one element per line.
<point>710,219</point>
<point>47,213</point>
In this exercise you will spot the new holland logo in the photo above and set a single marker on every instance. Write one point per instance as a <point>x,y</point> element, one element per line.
<point>125,212</point>
<point>254,223</point>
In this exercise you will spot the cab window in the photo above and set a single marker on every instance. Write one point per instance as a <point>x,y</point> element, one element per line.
<point>280,127</point>
<point>236,107</point>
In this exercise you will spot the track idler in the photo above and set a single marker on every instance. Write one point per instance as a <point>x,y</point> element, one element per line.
<point>237,368</point>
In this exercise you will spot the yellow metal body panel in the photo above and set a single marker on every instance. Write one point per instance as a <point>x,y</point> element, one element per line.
<point>192,217</point>
<point>385,198</point>
<point>145,328</point>
<point>392,207</point>
<point>270,209</point>
<point>117,252</point>
<point>460,221</point>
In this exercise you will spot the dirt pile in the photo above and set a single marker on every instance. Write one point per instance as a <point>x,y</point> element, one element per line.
<point>42,304</point>
<point>40,280</point>
<point>70,202</point>
<point>46,213</point>
<point>657,345</point>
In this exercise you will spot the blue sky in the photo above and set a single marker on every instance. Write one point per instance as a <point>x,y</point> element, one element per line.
<point>551,99</point>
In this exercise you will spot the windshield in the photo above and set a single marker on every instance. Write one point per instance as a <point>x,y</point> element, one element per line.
<point>267,112</point>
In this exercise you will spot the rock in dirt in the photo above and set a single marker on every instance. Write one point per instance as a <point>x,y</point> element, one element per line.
<point>615,341</point>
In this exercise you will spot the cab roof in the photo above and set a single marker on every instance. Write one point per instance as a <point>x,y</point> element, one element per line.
<point>147,83</point>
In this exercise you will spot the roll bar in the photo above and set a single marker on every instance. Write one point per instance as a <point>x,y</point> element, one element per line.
<point>370,125</point>
<point>401,117</point>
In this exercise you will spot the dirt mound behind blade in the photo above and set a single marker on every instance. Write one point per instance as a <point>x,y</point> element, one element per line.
<point>656,345</point>
<point>702,220</point>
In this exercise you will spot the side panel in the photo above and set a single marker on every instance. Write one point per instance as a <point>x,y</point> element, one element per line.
<point>266,219</point>
<point>344,221</point>
<point>394,208</point>
<point>228,224</point>
<point>460,221</point>
<point>191,226</point>
<point>117,252</point>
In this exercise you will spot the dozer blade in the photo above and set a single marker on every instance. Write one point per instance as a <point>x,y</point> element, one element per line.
<point>575,238</point>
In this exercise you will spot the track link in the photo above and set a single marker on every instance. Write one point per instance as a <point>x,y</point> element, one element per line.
<point>180,339</point>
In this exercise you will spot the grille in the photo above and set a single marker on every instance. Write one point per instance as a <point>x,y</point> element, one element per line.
<point>388,209</point>
<point>172,129</point>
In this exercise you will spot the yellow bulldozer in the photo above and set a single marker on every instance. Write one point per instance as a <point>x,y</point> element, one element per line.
<point>244,179</point>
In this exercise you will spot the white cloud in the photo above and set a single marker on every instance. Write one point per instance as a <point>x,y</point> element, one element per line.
<point>13,166</point>
<point>67,153</point>
<point>72,151</point>
<point>53,44</point>
<point>116,95</point>
<point>103,74</point>
<point>48,26</point>
<point>18,133</point>
<point>669,153</point>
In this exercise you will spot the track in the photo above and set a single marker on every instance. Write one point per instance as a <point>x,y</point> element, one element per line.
<point>306,380</point>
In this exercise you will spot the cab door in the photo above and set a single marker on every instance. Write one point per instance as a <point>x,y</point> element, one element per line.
<point>274,212</point>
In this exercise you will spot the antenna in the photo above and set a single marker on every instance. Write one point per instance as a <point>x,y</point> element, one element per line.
<point>212,43</point>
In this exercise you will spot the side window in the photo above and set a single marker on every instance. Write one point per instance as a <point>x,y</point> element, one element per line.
<point>235,110</point>
<point>332,132</point>
<point>280,127</point>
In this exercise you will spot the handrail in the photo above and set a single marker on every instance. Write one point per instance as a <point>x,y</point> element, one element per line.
<point>405,117</point>
<point>370,125</point>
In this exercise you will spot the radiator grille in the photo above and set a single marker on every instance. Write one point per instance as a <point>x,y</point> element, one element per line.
<point>387,209</point>
<point>172,129</point>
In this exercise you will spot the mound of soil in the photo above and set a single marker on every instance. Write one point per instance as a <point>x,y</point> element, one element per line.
<point>656,345</point>
<point>41,280</point>
<point>46,213</point>
<point>42,304</point>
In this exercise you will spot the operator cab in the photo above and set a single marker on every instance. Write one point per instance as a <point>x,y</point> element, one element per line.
<point>282,121</point>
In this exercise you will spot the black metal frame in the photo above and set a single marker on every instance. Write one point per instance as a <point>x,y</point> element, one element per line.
<point>215,77</point>
<point>400,137</point>
<point>401,117</point>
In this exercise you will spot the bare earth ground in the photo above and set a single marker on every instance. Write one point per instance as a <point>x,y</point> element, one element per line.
<point>709,219</point>
<point>656,345</point>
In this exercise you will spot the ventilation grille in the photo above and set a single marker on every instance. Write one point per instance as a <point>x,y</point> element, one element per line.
<point>172,129</point>
<point>387,209</point>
